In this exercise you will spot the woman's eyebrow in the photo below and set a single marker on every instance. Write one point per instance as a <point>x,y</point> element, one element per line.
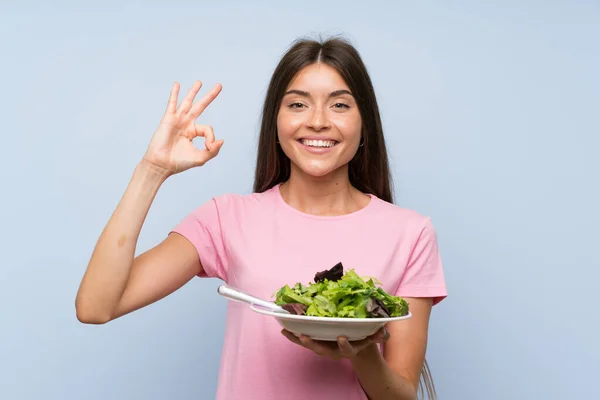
<point>306,94</point>
<point>340,92</point>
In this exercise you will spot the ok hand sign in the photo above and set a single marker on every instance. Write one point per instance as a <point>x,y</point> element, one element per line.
<point>171,149</point>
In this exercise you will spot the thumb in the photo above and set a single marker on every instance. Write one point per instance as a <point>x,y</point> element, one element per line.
<point>216,146</point>
<point>204,156</point>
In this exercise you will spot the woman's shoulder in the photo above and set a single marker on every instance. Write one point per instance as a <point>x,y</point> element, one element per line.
<point>394,220</point>
<point>231,208</point>
<point>253,200</point>
<point>398,214</point>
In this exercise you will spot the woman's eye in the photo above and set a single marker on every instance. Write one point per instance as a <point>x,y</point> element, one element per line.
<point>296,105</point>
<point>341,105</point>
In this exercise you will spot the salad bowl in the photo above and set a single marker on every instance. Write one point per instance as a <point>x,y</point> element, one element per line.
<point>328,328</point>
<point>336,304</point>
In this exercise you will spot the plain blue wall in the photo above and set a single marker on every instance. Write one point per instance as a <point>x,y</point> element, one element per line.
<point>491,115</point>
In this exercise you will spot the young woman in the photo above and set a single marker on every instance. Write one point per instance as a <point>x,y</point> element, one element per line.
<point>322,194</point>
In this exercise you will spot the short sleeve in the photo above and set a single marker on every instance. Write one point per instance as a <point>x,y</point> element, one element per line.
<point>424,274</point>
<point>203,229</point>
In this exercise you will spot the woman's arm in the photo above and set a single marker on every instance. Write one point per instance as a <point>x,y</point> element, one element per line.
<point>115,283</point>
<point>395,374</point>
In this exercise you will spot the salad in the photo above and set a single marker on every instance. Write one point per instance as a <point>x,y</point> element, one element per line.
<point>342,295</point>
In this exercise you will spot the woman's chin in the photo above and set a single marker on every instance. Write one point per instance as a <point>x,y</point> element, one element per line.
<point>318,169</point>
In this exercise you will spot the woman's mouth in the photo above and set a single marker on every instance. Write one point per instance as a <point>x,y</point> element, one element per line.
<point>318,146</point>
<point>318,143</point>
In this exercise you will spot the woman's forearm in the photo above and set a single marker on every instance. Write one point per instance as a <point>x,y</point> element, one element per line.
<point>109,267</point>
<point>378,380</point>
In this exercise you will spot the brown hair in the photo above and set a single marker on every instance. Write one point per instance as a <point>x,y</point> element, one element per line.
<point>369,170</point>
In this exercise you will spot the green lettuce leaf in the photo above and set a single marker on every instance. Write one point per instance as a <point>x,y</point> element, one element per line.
<point>348,296</point>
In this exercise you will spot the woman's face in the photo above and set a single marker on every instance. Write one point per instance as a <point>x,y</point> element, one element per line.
<point>319,123</point>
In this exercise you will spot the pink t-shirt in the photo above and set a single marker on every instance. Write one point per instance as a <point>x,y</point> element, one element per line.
<point>258,243</point>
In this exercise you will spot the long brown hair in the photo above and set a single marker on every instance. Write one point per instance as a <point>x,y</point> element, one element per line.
<point>369,169</point>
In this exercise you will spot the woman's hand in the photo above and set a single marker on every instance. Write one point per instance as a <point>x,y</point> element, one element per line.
<point>340,349</point>
<point>171,149</point>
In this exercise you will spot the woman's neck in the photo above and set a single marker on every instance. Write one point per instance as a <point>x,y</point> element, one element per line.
<point>329,195</point>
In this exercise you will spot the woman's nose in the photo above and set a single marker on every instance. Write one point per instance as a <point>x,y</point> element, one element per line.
<point>318,119</point>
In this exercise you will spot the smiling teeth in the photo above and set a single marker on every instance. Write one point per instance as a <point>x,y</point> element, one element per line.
<point>318,143</point>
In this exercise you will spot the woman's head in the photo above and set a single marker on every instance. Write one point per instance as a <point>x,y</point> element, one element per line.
<point>320,117</point>
<point>319,124</point>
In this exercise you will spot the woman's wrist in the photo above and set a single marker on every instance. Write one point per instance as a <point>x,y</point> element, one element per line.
<point>378,380</point>
<point>369,354</point>
<point>151,171</point>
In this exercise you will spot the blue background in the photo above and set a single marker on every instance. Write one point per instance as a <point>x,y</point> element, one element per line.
<point>490,110</point>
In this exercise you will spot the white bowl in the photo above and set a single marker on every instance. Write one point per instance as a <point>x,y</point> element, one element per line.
<point>328,328</point>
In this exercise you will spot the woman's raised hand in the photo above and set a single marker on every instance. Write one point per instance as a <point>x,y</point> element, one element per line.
<point>171,149</point>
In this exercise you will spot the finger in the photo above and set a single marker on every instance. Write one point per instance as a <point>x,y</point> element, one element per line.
<point>205,131</point>
<point>386,335</point>
<point>346,349</point>
<point>310,344</point>
<point>186,104</point>
<point>360,343</point>
<point>216,146</point>
<point>172,104</point>
<point>381,336</point>
<point>321,348</point>
<point>291,337</point>
<point>357,345</point>
<point>203,156</point>
<point>199,107</point>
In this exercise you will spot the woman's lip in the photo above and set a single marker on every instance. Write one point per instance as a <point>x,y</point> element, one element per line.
<point>316,150</point>
<point>318,138</point>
